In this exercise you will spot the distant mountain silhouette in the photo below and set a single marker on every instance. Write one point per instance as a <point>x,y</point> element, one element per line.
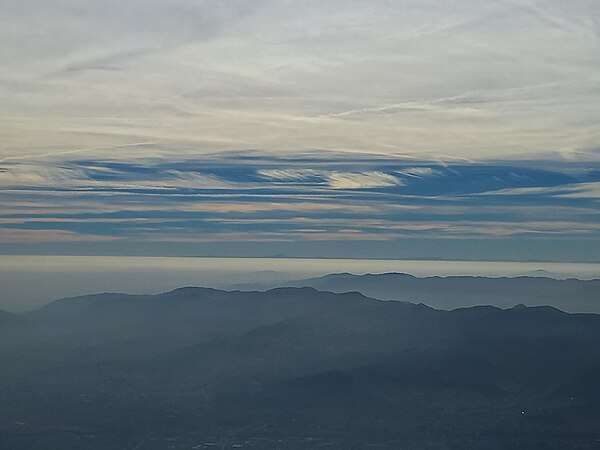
<point>189,310</point>
<point>569,295</point>
<point>14,329</point>
<point>543,273</point>
<point>297,368</point>
<point>6,317</point>
<point>10,321</point>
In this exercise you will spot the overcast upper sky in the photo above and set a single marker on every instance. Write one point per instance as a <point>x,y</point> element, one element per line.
<point>258,127</point>
<point>442,78</point>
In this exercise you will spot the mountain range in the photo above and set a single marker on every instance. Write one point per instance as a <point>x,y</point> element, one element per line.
<point>296,368</point>
<point>571,295</point>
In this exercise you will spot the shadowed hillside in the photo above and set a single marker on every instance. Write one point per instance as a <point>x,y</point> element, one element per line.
<point>296,368</point>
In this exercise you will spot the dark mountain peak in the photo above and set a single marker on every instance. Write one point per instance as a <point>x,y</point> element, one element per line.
<point>351,276</point>
<point>302,293</point>
<point>452,292</point>
<point>6,317</point>
<point>189,291</point>
<point>392,274</point>
<point>295,290</point>
<point>97,296</point>
<point>82,300</point>
<point>340,275</point>
<point>537,310</point>
<point>543,273</point>
<point>479,309</point>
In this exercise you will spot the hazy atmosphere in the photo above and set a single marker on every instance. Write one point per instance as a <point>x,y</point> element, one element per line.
<point>276,224</point>
<point>29,282</point>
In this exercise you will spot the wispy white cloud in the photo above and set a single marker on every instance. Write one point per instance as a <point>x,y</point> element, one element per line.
<point>419,172</point>
<point>583,190</point>
<point>52,175</point>
<point>362,180</point>
<point>289,174</point>
<point>335,179</point>
<point>199,76</point>
<point>40,175</point>
<point>27,236</point>
<point>574,190</point>
<point>63,153</point>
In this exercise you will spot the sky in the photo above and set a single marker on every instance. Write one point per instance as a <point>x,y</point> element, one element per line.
<point>465,129</point>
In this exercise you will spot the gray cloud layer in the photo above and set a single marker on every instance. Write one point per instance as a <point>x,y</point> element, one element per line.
<point>460,78</point>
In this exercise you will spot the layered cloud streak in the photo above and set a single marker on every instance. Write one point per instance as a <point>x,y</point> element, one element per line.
<point>252,196</point>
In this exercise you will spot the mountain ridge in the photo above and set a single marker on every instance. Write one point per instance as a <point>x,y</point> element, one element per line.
<point>451,292</point>
<point>297,368</point>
